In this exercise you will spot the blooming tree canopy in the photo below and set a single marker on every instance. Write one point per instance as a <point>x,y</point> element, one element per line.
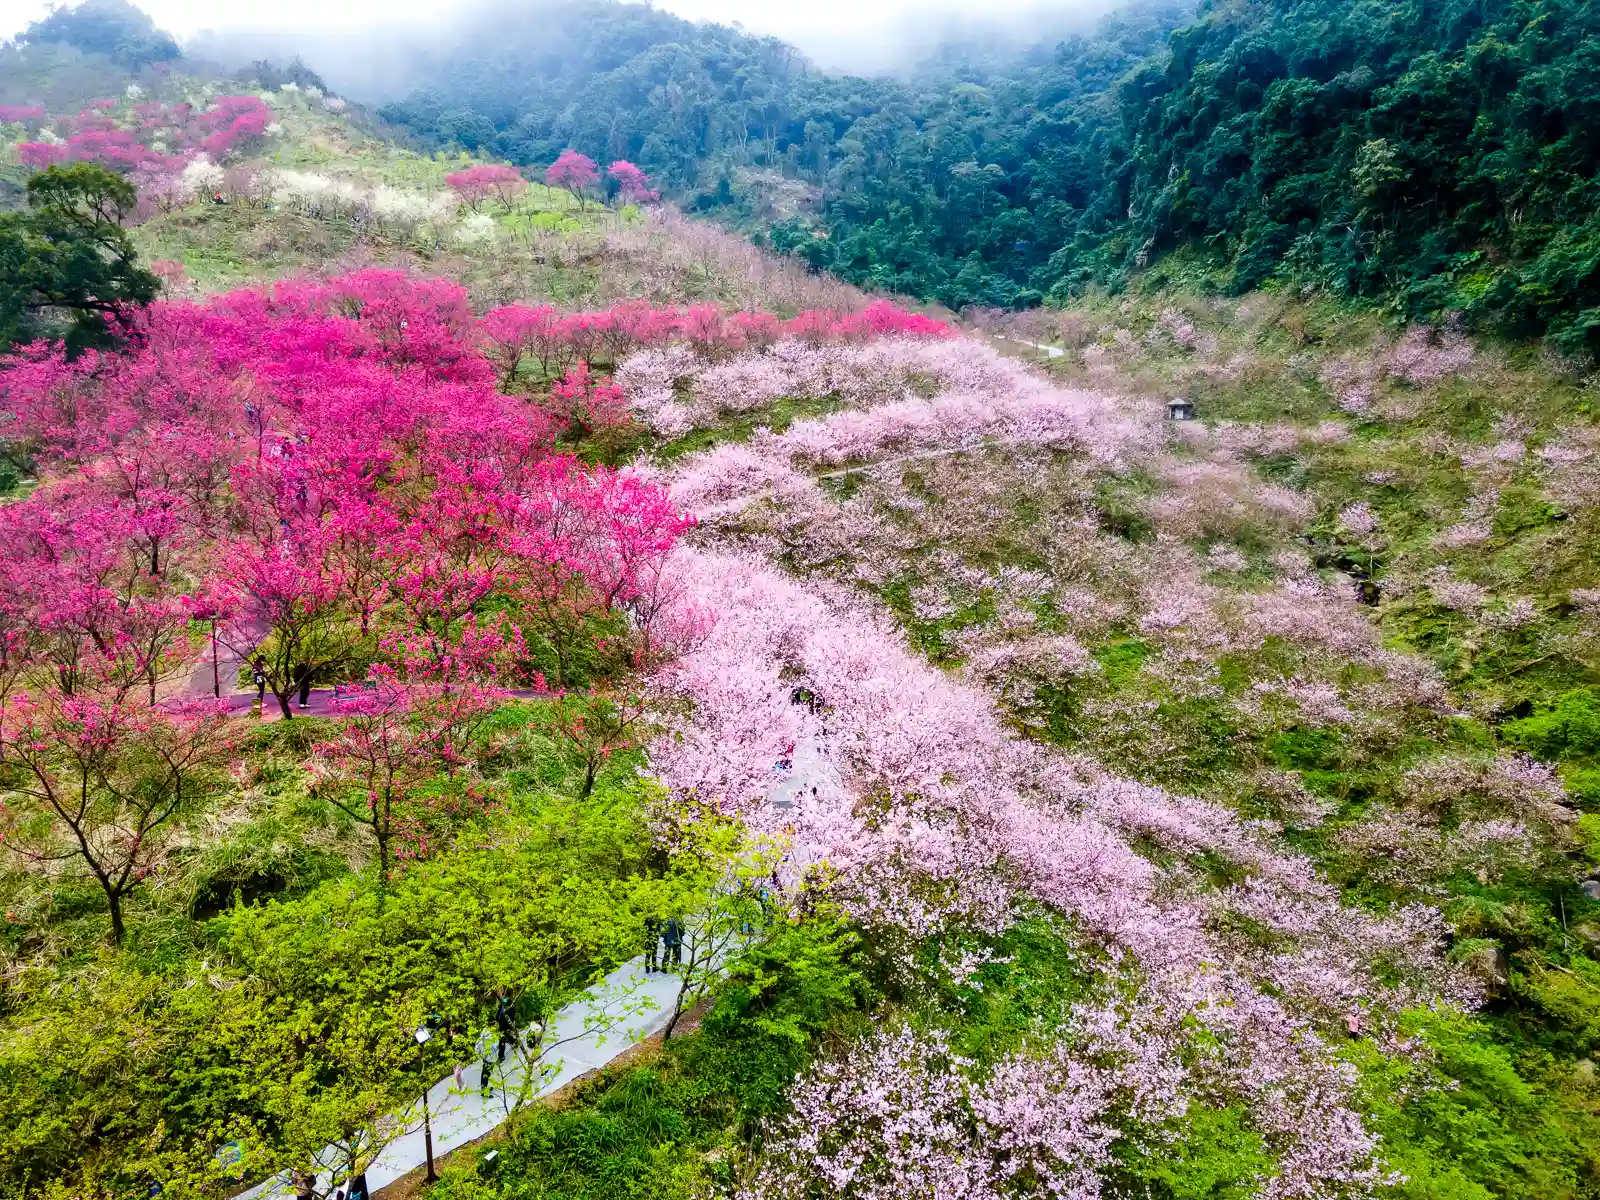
<point>326,475</point>
<point>477,184</point>
<point>573,172</point>
<point>632,183</point>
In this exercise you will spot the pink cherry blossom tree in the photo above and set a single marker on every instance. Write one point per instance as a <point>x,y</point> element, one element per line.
<point>574,173</point>
<point>488,181</point>
<point>394,739</point>
<point>588,406</point>
<point>102,784</point>
<point>633,186</point>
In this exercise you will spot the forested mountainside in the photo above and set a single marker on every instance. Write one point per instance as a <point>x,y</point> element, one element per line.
<point>490,658</point>
<point>1434,155</point>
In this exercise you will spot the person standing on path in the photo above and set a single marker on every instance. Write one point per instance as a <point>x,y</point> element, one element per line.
<point>505,1020</point>
<point>258,676</point>
<point>672,939</point>
<point>302,675</point>
<point>652,943</point>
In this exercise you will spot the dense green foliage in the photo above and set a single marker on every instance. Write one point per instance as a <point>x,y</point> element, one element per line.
<point>114,28</point>
<point>267,994</point>
<point>67,267</point>
<point>1444,152</point>
<point>1438,154</point>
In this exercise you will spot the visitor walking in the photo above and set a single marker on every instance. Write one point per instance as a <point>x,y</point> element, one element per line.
<point>652,943</point>
<point>302,676</point>
<point>672,939</point>
<point>258,676</point>
<point>505,1020</point>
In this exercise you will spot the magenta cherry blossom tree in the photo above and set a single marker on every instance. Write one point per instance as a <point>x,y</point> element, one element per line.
<point>633,186</point>
<point>477,184</point>
<point>574,173</point>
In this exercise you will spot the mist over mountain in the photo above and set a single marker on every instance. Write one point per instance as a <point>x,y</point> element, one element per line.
<point>376,53</point>
<point>1439,154</point>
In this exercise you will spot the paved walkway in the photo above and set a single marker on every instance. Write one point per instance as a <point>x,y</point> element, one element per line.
<point>318,704</point>
<point>216,672</point>
<point>624,1009</point>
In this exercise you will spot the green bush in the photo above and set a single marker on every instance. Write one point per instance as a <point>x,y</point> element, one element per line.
<point>1467,1125</point>
<point>1568,728</point>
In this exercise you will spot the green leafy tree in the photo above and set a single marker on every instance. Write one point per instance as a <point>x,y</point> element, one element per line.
<point>114,28</point>
<point>296,1032</point>
<point>67,266</point>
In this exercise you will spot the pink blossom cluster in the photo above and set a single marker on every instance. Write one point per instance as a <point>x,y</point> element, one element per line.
<point>1024,663</point>
<point>325,461</point>
<point>579,174</point>
<point>1208,498</point>
<point>1513,785</point>
<point>1358,518</point>
<point>1005,405</point>
<point>1570,467</point>
<point>936,814</point>
<point>928,812</point>
<point>1457,594</point>
<point>476,184</point>
<point>632,183</point>
<point>1163,590</point>
<point>1413,849</point>
<point>1251,438</point>
<point>573,172</point>
<point>159,138</point>
<point>515,333</point>
<point>673,389</point>
<point>1423,357</point>
<point>730,476</point>
<point>904,1115</point>
<point>20,114</point>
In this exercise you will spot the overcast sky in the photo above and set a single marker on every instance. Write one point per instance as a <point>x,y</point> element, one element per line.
<point>831,31</point>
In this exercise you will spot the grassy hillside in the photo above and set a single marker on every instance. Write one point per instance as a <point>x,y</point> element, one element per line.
<point>1200,809</point>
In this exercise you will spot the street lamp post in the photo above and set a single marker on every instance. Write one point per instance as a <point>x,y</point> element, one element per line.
<point>422,1035</point>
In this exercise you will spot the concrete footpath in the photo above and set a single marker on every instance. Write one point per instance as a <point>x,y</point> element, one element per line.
<point>623,1010</point>
<point>626,1008</point>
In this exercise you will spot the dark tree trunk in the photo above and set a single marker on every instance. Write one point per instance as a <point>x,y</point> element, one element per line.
<point>114,903</point>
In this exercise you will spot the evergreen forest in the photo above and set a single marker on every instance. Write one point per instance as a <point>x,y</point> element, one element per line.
<point>1433,155</point>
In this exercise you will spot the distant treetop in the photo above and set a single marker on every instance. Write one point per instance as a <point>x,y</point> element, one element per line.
<point>115,28</point>
<point>271,76</point>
